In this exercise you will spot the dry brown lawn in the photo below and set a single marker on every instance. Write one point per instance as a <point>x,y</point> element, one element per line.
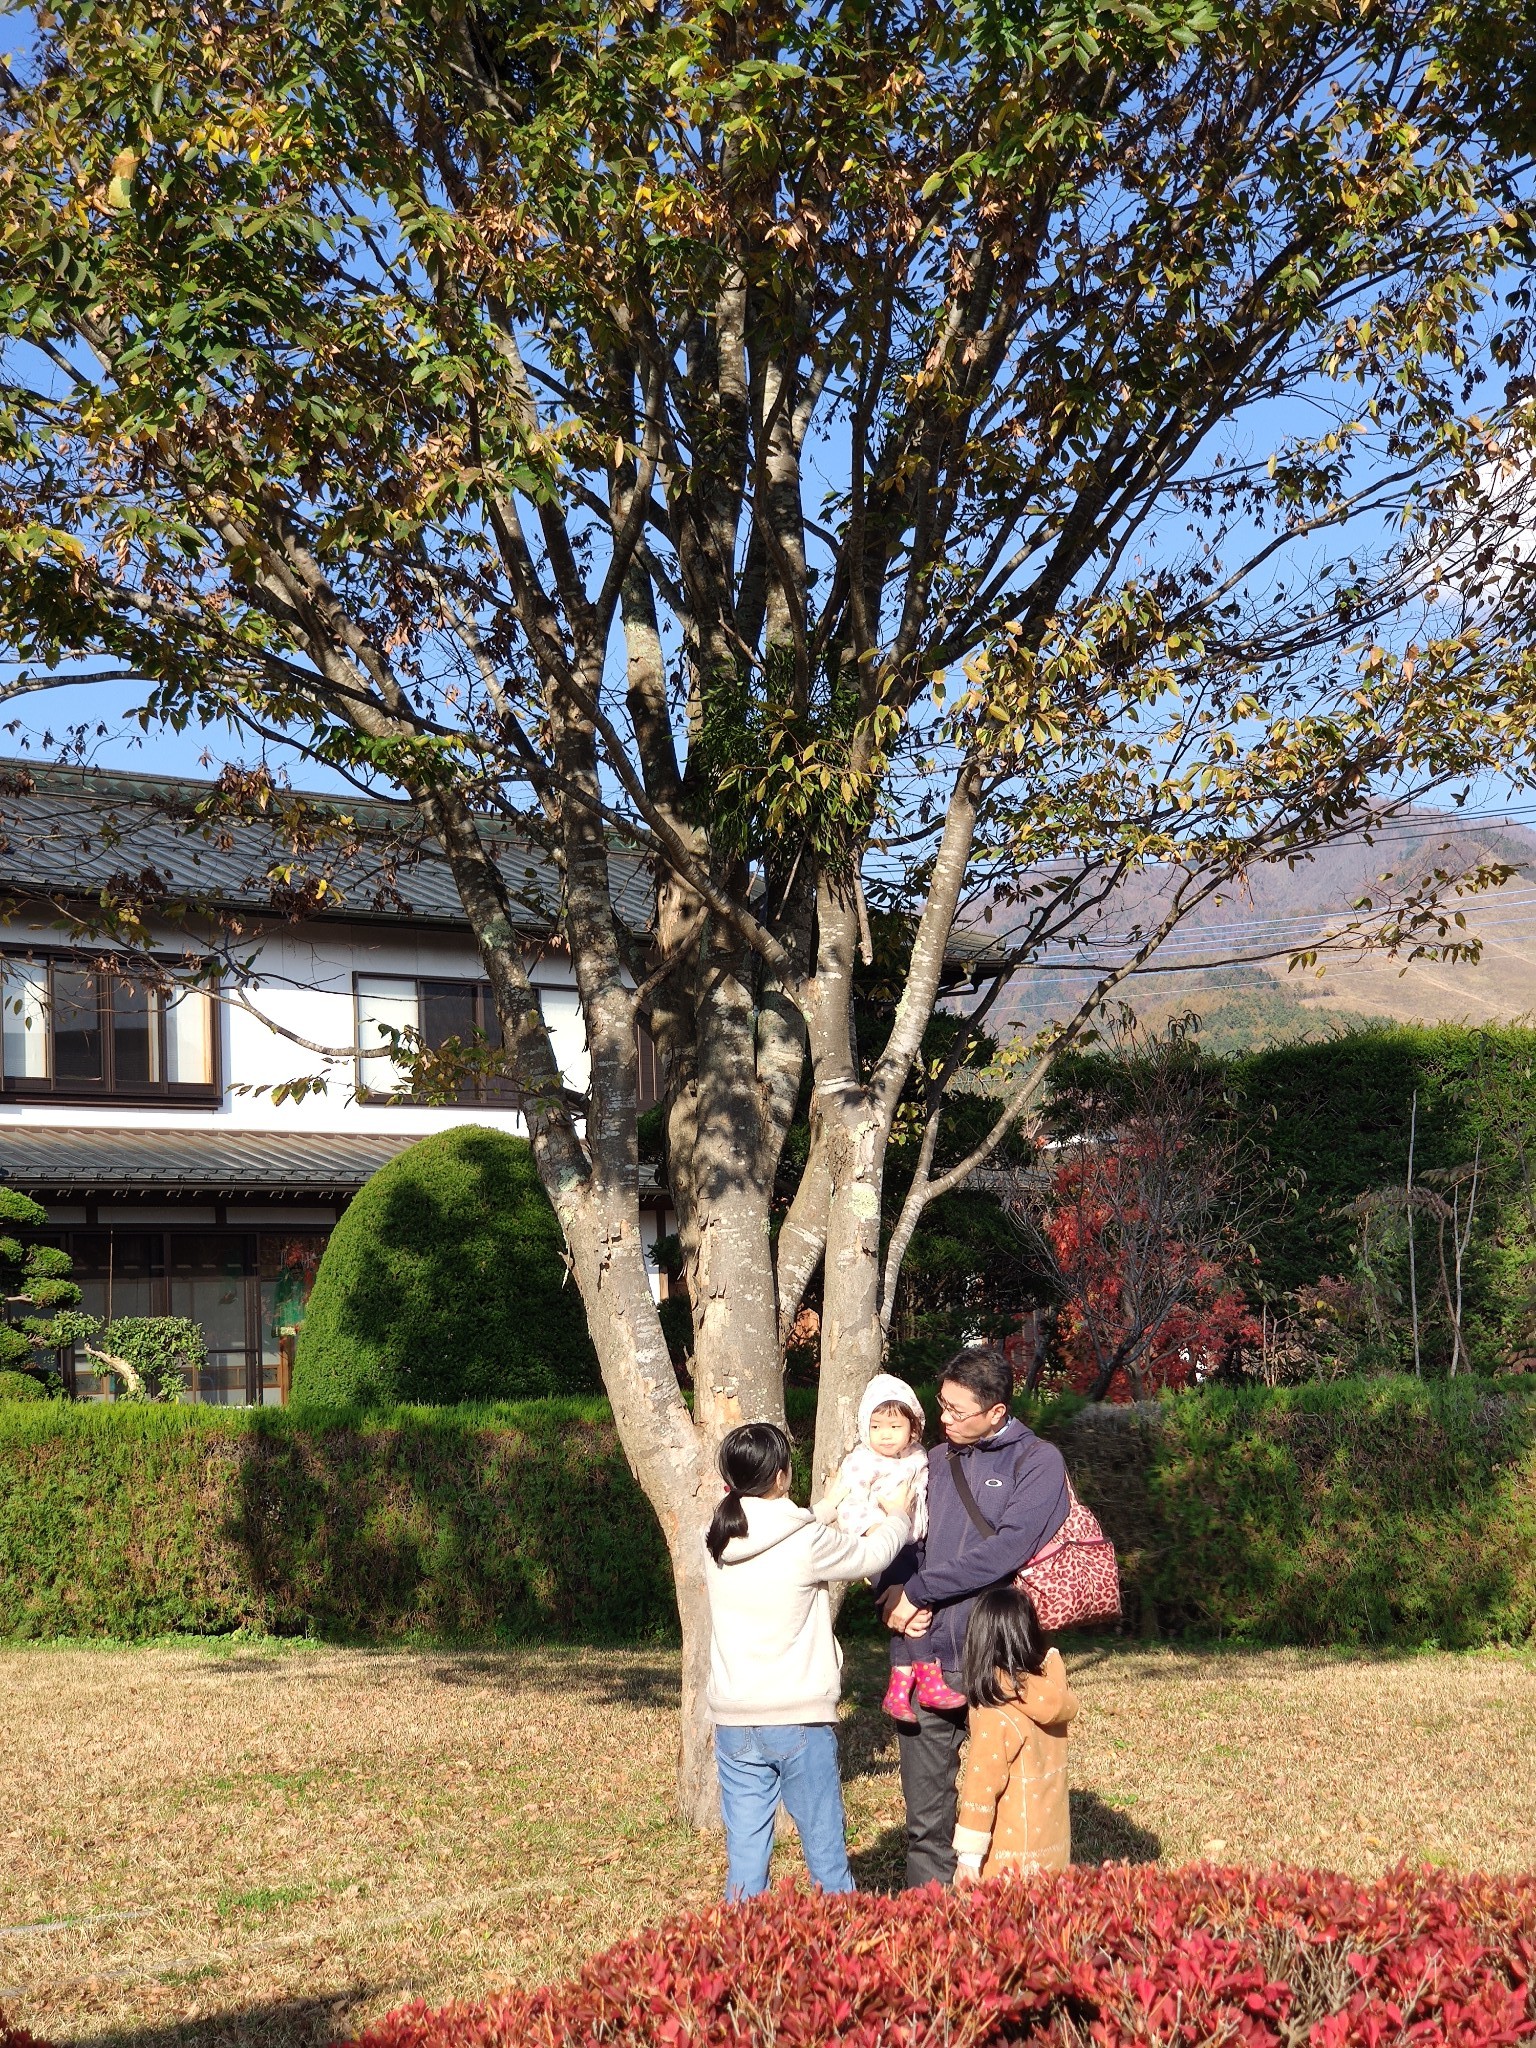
<point>271,1844</point>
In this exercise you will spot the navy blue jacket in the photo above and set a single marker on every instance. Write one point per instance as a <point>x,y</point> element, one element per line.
<point>1020,1484</point>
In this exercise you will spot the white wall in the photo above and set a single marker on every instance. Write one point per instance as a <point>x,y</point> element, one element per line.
<point>304,985</point>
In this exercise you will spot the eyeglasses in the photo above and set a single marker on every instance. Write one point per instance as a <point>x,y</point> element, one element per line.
<point>960,1414</point>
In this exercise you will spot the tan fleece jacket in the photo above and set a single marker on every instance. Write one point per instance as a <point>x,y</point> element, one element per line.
<point>1013,1796</point>
<point>773,1659</point>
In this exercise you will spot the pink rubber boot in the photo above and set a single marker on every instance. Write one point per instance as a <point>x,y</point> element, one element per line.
<point>931,1689</point>
<point>898,1694</point>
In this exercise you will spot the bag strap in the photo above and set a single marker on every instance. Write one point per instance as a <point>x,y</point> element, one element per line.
<point>967,1498</point>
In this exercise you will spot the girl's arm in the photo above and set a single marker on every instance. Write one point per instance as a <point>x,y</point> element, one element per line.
<point>836,1557</point>
<point>826,1508</point>
<point>989,1762</point>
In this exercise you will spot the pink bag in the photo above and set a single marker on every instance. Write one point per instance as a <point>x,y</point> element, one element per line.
<point>1074,1580</point>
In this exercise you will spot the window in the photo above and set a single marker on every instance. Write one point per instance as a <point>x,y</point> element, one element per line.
<point>69,1027</point>
<point>464,1011</point>
<point>287,1267</point>
<point>438,1011</point>
<point>247,1291</point>
<point>210,1285</point>
<point>120,1273</point>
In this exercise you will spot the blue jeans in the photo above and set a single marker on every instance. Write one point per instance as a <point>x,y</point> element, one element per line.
<point>760,1766</point>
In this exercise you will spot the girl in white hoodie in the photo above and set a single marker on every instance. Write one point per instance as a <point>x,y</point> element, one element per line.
<point>776,1671</point>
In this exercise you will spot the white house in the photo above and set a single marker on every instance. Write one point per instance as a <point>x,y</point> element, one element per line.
<point>144,1117</point>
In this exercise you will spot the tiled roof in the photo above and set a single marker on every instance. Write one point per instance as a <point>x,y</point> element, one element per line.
<point>74,830</point>
<point>70,832</point>
<point>53,1162</point>
<point>62,1162</point>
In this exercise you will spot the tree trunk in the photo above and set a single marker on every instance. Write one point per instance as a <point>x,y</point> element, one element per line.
<point>852,1341</point>
<point>698,1791</point>
<point>737,1365</point>
<point>664,1449</point>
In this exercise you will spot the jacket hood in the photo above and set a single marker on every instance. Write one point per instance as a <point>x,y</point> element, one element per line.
<point>1047,1698</point>
<point>883,1389</point>
<point>769,1523</point>
<point>1045,1695</point>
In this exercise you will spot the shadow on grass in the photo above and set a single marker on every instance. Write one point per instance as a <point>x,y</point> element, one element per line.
<point>278,2023</point>
<point>625,1677</point>
<point>1102,1833</point>
<point>881,1865</point>
<point>866,1744</point>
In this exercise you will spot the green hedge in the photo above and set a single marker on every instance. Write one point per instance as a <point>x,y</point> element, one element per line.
<point>1384,1511</point>
<point>453,1522</point>
<point>1332,1118</point>
<point>1335,1117</point>
<point>1379,1511</point>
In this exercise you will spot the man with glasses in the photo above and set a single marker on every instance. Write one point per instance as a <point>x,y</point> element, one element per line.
<point>1017,1499</point>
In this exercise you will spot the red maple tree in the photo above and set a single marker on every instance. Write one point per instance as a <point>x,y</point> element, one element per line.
<point>1144,1217</point>
<point>1142,1308</point>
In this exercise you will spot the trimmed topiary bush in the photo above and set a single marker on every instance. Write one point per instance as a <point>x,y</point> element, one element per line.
<point>20,1386</point>
<point>444,1281</point>
<point>39,1303</point>
<point>1113,1955</point>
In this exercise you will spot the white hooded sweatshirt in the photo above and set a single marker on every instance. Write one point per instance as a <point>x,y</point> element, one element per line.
<point>773,1659</point>
<point>864,1474</point>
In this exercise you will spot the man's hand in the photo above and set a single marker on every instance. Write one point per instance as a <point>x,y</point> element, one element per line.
<point>920,1623</point>
<point>899,1612</point>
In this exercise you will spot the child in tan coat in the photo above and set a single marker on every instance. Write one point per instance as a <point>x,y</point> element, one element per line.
<point>1013,1797</point>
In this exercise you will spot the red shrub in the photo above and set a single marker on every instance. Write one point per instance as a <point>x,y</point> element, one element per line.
<point>1115,1955</point>
<point>18,2037</point>
<point>1146,1304</point>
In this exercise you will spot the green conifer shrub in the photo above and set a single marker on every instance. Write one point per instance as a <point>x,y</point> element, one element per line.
<point>41,1303</point>
<point>444,1281</point>
<point>150,1358</point>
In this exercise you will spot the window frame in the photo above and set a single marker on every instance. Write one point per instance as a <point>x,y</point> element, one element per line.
<point>246,1243</point>
<point>503,1094</point>
<point>479,1092</point>
<point>50,1088</point>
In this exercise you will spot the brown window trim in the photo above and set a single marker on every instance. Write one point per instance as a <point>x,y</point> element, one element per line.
<point>76,1093</point>
<point>474,1094</point>
<point>477,1094</point>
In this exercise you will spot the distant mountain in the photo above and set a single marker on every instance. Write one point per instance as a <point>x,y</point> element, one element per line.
<point>1210,968</point>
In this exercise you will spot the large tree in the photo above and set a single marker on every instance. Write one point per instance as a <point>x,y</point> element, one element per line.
<point>909,455</point>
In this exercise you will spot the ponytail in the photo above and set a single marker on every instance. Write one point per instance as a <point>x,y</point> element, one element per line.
<point>751,1459</point>
<point>729,1520</point>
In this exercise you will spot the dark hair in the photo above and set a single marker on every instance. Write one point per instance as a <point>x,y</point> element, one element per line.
<point>984,1370</point>
<point>1004,1637</point>
<point>751,1458</point>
